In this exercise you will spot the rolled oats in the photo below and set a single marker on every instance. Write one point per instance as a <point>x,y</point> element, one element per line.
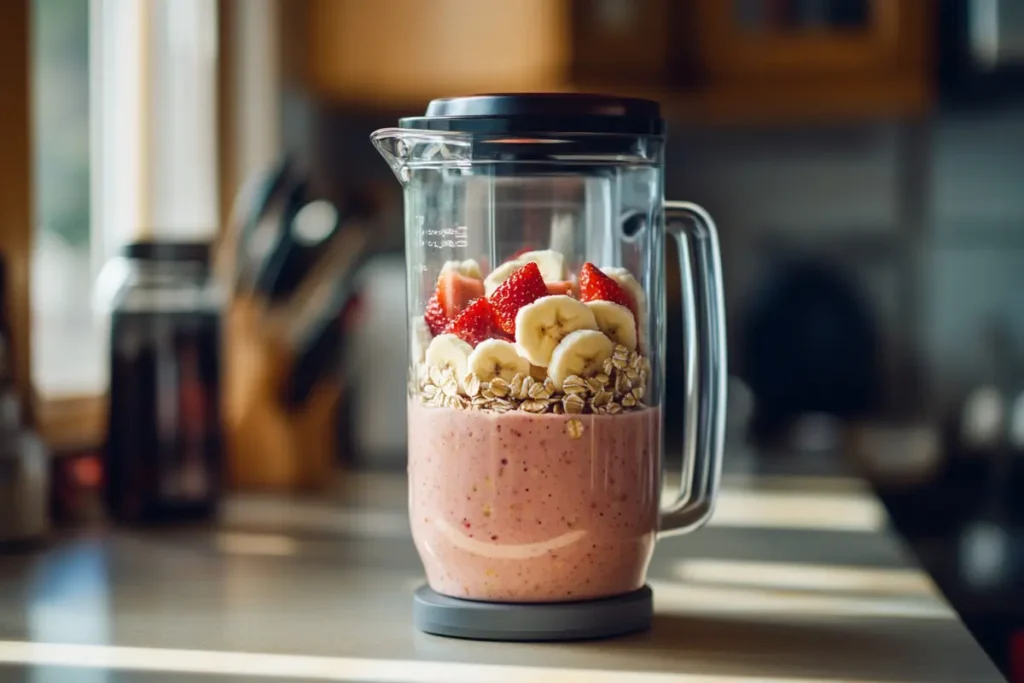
<point>516,385</point>
<point>524,390</point>
<point>622,385</point>
<point>574,428</point>
<point>537,390</point>
<point>499,387</point>
<point>573,404</point>
<point>534,406</point>
<point>574,384</point>
<point>635,362</point>
<point>472,384</point>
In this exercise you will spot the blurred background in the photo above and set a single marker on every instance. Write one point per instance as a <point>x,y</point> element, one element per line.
<point>864,160</point>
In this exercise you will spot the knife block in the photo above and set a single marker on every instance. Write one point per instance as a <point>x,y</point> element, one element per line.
<point>272,448</point>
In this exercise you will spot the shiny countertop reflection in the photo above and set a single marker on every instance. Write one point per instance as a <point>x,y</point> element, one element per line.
<point>798,580</point>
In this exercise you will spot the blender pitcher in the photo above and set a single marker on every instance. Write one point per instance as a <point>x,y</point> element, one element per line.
<point>534,229</point>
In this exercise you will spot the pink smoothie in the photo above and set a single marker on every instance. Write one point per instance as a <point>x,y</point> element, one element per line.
<point>510,507</point>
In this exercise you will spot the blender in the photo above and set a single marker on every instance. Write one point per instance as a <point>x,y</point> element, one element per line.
<point>535,231</point>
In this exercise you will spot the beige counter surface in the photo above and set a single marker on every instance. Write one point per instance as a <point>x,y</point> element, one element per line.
<point>796,580</point>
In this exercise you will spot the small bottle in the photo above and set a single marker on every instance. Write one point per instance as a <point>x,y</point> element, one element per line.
<point>163,460</point>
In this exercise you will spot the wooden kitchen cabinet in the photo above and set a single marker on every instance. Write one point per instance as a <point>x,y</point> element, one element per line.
<point>811,39</point>
<point>708,61</point>
<point>403,52</point>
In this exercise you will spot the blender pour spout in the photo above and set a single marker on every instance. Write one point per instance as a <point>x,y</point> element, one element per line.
<point>393,146</point>
<point>404,149</point>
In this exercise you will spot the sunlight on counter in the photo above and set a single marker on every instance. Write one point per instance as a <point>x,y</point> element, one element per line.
<point>337,668</point>
<point>805,577</point>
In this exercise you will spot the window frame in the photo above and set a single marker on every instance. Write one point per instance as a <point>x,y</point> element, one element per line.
<point>77,422</point>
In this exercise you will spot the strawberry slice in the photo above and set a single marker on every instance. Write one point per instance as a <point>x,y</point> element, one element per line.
<point>596,286</point>
<point>475,323</point>
<point>455,291</point>
<point>435,316</point>
<point>521,288</point>
<point>563,287</point>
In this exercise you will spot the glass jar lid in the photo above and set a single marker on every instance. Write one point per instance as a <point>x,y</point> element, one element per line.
<point>541,113</point>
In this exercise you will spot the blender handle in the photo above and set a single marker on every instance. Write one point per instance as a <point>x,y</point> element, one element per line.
<point>705,367</point>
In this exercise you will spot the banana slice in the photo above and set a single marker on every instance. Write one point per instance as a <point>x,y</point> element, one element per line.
<point>540,326</point>
<point>582,353</point>
<point>616,321</point>
<point>550,262</point>
<point>497,358</point>
<point>629,283</point>
<point>469,268</point>
<point>448,350</point>
<point>420,338</point>
<point>500,274</point>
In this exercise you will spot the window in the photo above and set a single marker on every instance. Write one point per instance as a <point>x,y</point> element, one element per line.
<point>65,346</point>
<point>125,147</point>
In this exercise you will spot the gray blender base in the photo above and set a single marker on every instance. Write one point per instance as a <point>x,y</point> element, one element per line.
<point>616,616</point>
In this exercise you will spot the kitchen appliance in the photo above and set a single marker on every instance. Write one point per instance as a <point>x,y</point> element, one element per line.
<point>535,234</point>
<point>807,315</point>
<point>163,459</point>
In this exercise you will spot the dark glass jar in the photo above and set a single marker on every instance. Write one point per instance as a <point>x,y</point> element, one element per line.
<point>163,459</point>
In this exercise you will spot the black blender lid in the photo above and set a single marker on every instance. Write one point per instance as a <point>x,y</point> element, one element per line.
<point>167,250</point>
<point>565,113</point>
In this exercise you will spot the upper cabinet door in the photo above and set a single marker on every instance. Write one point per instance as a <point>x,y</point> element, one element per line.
<point>404,52</point>
<point>811,37</point>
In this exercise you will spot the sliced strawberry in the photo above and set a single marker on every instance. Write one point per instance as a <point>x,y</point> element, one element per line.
<point>435,316</point>
<point>475,323</point>
<point>521,288</point>
<point>455,291</point>
<point>596,286</point>
<point>565,287</point>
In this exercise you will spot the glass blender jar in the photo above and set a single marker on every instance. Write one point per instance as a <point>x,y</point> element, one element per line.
<point>535,229</point>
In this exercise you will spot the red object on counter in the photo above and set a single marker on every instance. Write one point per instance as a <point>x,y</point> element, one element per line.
<point>1017,657</point>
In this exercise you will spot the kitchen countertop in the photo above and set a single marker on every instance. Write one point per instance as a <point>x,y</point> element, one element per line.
<point>796,579</point>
